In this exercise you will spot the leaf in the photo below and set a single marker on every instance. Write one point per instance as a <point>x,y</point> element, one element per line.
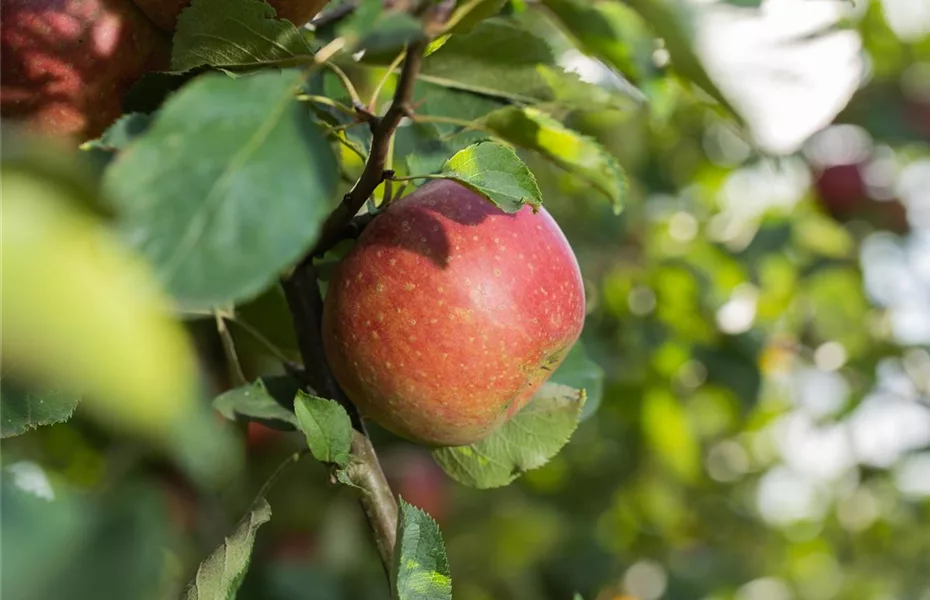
<point>227,188</point>
<point>501,60</point>
<point>373,28</point>
<point>583,156</point>
<point>420,561</point>
<point>264,400</point>
<point>23,409</point>
<point>610,31</point>
<point>119,134</point>
<point>672,21</point>
<point>221,574</point>
<point>469,13</point>
<point>235,34</point>
<point>532,437</point>
<point>495,172</point>
<point>113,543</point>
<point>327,427</point>
<point>580,372</point>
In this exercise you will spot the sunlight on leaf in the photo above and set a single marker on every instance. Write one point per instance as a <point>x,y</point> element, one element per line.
<point>496,172</point>
<point>527,441</point>
<point>421,566</point>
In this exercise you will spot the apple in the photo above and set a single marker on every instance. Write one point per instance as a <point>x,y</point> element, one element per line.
<point>68,63</point>
<point>165,12</point>
<point>418,479</point>
<point>449,314</point>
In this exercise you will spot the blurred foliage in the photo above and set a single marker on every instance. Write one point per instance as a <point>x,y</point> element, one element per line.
<point>764,428</point>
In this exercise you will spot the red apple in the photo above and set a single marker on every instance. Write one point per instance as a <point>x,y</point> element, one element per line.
<point>418,479</point>
<point>165,12</point>
<point>448,314</point>
<point>68,63</point>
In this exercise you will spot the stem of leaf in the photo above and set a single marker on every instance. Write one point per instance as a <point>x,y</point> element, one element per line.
<point>346,83</point>
<point>229,349</point>
<point>373,103</point>
<point>276,474</point>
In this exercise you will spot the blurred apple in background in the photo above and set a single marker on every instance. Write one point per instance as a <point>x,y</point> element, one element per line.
<point>415,476</point>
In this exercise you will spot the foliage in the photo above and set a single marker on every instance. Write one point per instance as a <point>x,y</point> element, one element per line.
<point>744,417</point>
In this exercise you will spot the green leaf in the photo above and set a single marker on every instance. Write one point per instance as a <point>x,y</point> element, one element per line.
<point>235,34</point>
<point>119,134</point>
<point>420,562</point>
<point>583,156</point>
<point>221,574</point>
<point>495,172</point>
<point>501,60</point>
<point>22,409</point>
<point>227,188</point>
<point>532,437</point>
<point>114,543</point>
<point>469,13</point>
<point>373,28</point>
<point>580,372</point>
<point>264,400</point>
<point>672,20</point>
<point>327,427</point>
<point>610,31</point>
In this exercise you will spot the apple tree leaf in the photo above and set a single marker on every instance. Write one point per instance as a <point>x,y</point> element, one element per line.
<point>496,172</point>
<point>374,28</point>
<point>610,31</point>
<point>221,574</point>
<point>583,156</point>
<point>23,409</point>
<point>263,400</point>
<point>118,135</point>
<point>501,60</point>
<point>420,562</point>
<point>673,21</point>
<point>532,437</point>
<point>227,187</point>
<point>327,427</point>
<point>234,34</point>
<point>579,371</point>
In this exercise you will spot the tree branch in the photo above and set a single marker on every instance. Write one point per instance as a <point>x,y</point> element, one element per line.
<point>306,305</point>
<point>303,297</point>
<point>382,131</point>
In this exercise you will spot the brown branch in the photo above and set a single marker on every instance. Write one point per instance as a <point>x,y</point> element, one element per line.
<point>302,291</point>
<point>303,297</point>
<point>382,131</point>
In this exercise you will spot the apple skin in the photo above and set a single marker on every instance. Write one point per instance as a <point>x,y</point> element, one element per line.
<point>68,63</point>
<point>165,12</point>
<point>449,314</point>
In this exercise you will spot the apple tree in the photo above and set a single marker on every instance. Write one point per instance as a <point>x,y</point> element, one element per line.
<point>333,228</point>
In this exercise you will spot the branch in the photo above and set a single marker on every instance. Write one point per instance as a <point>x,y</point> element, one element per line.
<point>306,304</point>
<point>382,132</point>
<point>303,297</point>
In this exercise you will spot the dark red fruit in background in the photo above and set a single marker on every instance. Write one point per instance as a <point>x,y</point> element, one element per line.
<point>66,64</point>
<point>415,476</point>
<point>844,195</point>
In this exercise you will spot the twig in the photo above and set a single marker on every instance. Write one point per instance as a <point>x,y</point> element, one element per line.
<point>380,508</point>
<point>373,102</point>
<point>266,487</point>
<point>229,348</point>
<point>306,304</point>
<point>383,130</point>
